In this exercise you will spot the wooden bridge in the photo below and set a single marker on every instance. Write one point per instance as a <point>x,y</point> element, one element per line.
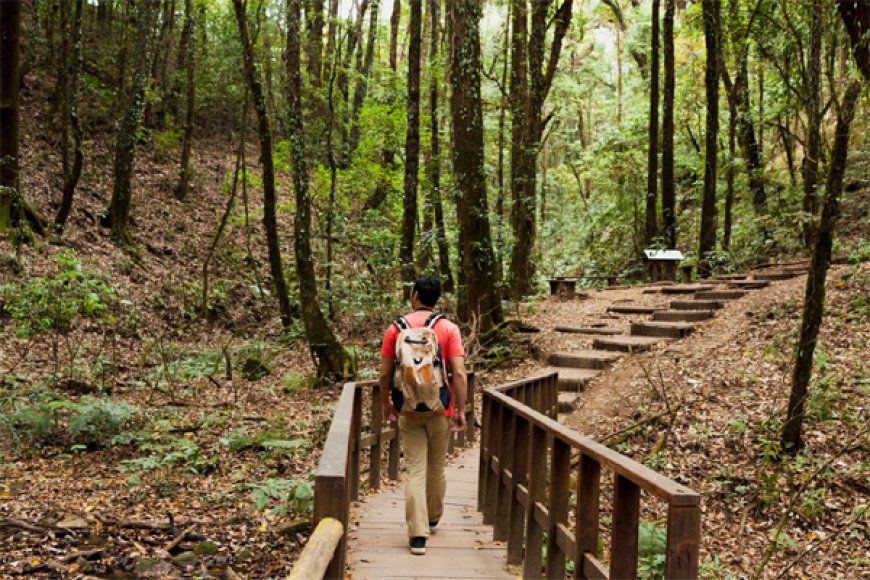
<point>527,500</point>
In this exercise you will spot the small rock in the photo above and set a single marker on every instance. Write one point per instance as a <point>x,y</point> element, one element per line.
<point>73,524</point>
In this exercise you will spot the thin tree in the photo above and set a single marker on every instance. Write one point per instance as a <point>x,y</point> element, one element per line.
<point>74,64</point>
<point>540,78</point>
<point>814,296</point>
<point>314,52</point>
<point>118,216</point>
<point>813,104</point>
<point>359,93</point>
<point>707,237</point>
<point>412,150</point>
<point>333,362</point>
<point>652,178</point>
<point>669,198</point>
<point>466,112</point>
<point>395,19</point>
<point>189,50</point>
<point>264,131</point>
<point>10,56</point>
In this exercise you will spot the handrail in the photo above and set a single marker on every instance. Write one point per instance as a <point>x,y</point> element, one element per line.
<point>524,490</point>
<point>338,479</point>
<point>318,550</point>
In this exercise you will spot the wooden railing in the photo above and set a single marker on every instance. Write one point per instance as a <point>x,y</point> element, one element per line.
<point>338,477</point>
<point>525,491</point>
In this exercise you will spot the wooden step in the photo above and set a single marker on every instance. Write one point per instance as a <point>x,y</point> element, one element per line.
<point>626,343</point>
<point>605,330</point>
<point>573,379</point>
<point>583,359</point>
<point>748,284</point>
<point>682,315</point>
<point>720,295</point>
<point>567,402</point>
<point>686,288</point>
<point>664,329</point>
<point>696,305</point>
<point>633,309</point>
<point>730,277</point>
<point>774,276</point>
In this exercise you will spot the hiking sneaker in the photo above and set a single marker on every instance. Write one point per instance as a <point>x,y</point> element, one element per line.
<point>418,545</point>
<point>433,525</point>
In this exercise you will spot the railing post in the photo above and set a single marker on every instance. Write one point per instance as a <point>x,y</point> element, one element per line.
<point>560,474</point>
<point>483,468</point>
<point>520,470</point>
<point>505,463</point>
<point>588,507</point>
<point>493,478</point>
<point>626,513</point>
<point>684,531</point>
<point>537,481</point>
<point>355,451</point>
<point>377,446</point>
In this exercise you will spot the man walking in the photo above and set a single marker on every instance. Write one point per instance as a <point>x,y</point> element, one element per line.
<point>424,434</point>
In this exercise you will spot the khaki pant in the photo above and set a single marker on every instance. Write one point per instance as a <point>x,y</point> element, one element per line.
<point>424,443</point>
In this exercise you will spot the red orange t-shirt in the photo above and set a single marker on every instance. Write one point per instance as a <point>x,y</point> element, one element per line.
<point>449,338</point>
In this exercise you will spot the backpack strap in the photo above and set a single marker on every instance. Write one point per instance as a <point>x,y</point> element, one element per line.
<point>401,323</point>
<point>433,320</point>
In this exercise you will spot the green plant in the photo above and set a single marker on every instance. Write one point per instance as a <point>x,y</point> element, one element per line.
<point>168,451</point>
<point>96,421</point>
<point>714,569</point>
<point>651,548</point>
<point>283,493</point>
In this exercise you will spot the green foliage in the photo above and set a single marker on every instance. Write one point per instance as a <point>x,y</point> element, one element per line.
<point>283,495</point>
<point>166,452</point>
<point>53,303</point>
<point>715,569</point>
<point>651,549</point>
<point>274,439</point>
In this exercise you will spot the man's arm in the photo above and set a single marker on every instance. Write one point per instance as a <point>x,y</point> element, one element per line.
<point>384,374</point>
<point>460,392</point>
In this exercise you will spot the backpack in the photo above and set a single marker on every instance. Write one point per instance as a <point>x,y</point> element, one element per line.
<point>419,380</point>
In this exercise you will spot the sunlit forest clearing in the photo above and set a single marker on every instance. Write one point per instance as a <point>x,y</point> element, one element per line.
<point>211,210</point>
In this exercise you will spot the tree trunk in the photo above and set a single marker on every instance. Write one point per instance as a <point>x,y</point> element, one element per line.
<point>504,103</point>
<point>72,177</point>
<point>395,19</point>
<point>10,28</point>
<point>539,78</point>
<point>333,362</point>
<point>522,216</point>
<point>729,176</point>
<point>669,198</point>
<point>314,16</point>
<point>354,41</point>
<point>434,166</point>
<point>128,127</point>
<point>264,131</point>
<point>707,237</point>
<point>187,43</point>
<point>856,17</point>
<point>652,178</point>
<point>812,100</point>
<point>466,110</point>
<point>814,297</point>
<point>332,31</point>
<point>412,151</point>
<point>359,93</point>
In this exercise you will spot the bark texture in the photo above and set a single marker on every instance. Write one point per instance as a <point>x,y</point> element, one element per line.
<point>10,56</point>
<point>669,199</point>
<point>74,65</point>
<point>412,151</point>
<point>707,236</point>
<point>652,179</point>
<point>188,46</point>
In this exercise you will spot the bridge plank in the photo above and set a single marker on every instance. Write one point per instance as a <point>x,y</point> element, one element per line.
<point>461,546</point>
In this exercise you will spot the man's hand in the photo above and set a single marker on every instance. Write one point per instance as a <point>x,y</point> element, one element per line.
<point>390,413</point>
<point>457,420</point>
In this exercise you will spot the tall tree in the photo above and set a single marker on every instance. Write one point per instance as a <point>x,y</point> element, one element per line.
<point>74,63</point>
<point>524,179</point>
<point>434,165</point>
<point>264,131</point>
<point>707,237</point>
<point>395,19</point>
<point>10,56</point>
<point>466,113</point>
<point>189,50</point>
<point>669,197</point>
<point>652,178</point>
<point>412,150</point>
<point>333,362</point>
<point>314,52</point>
<point>813,105</point>
<point>814,297</point>
<point>856,18</point>
<point>362,85</point>
<point>128,127</point>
